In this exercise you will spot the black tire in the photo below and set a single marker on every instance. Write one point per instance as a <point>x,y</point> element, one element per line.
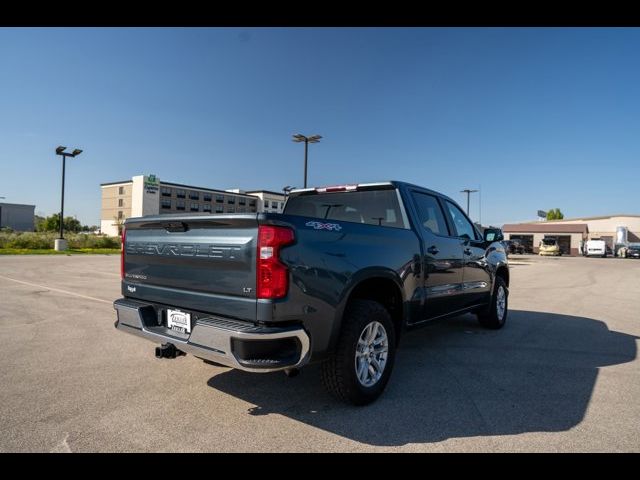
<point>339,370</point>
<point>490,318</point>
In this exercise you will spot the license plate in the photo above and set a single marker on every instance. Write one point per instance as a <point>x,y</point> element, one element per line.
<point>179,321</point>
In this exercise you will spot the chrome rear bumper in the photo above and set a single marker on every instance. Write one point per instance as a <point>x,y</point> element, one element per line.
<point>220,340</point>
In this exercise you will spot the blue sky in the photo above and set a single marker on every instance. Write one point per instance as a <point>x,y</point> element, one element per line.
<point>538,117</point>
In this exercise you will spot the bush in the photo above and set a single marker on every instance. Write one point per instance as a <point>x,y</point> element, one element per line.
<point>93,241</point>
<point>44,240</point>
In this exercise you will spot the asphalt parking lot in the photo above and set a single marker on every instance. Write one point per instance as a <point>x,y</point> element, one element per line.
<point>563,375</point>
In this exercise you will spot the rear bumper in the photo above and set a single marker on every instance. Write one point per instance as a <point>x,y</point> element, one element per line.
<point>236,344</point>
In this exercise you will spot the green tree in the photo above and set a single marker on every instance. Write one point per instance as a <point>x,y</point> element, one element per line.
<point>37,222</point>
<point>52,224</point>
<point>555,214</point>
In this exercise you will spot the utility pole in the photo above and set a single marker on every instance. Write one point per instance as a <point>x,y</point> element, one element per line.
<point>468,192</point>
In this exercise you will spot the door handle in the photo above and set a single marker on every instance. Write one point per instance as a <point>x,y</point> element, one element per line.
<point>433,250</point>
<point>467,251</point>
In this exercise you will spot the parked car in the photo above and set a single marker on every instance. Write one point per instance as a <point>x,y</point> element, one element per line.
<point>549,246</point>
<point>517,247</point>
<point>336,279</point>
<point>513,246</point>
<point>632,251</point>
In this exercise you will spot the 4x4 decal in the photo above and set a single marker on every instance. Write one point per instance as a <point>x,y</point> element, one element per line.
<point>324,226</point>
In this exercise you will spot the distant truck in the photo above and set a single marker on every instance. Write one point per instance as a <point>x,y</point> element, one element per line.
<point>336,279</point>
<point>596,247</point>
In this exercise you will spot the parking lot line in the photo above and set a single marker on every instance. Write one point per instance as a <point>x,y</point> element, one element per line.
<point>56,290</point>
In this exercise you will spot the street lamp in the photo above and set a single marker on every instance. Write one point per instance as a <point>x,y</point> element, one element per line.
<point>60,244</point>
<point>307,140</point>
<point>468,192</point>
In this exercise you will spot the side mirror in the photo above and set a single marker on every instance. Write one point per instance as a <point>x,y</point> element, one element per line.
<point>493,235</point>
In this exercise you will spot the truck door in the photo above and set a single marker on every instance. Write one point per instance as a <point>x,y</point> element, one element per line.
<point>442,258</point>
<point>476,276</point>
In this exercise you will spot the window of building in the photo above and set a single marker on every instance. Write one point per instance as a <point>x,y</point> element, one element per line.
<point>165,191</point>
<point>166,203</point>
<point>231,209</point>
<point>231,200</point>
<point>120,192</point>
<point>240,210</point>
<point>219,198</point>
<point>206,207</point>
<point>181,193</point>
<point>266,204</point>
<point>194,195</point>
<point>195,207</point>
<point>252,203</point>
<point>120,203</point>
<point>242,201</point>
<point>179,204</point>
<point>219,209</point>
<point>206,197</point>
<point>120,215</point>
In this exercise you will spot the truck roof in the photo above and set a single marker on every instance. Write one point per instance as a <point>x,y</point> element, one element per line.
<point>354,186</point>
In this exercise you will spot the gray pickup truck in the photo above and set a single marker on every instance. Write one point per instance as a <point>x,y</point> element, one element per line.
<point>337,279</point>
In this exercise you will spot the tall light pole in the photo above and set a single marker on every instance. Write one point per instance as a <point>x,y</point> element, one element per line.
<point>287,189</point>
<point>60,244</point>
<point>468,192</point>
<point>307,140</point>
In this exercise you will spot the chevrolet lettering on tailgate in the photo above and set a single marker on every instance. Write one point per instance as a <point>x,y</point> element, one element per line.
<point>183,249</point>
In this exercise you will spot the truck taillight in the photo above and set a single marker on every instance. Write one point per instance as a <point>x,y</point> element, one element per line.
<point>272,276</point>
<point>122,240</point>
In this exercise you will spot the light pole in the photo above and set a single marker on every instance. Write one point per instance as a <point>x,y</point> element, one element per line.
<point>468,192</point>
<point>307,140</point>
<point>285,190</point>
<point>60,244</point>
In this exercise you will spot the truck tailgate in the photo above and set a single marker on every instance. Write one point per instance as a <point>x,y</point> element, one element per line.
<point>205,263</point>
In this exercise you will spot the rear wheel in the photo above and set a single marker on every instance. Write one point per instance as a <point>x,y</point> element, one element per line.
<point>359,369</point>
<point>496,316</point>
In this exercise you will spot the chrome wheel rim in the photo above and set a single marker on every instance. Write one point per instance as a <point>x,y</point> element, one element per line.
<point>371,354</point>
<point>501,303</point>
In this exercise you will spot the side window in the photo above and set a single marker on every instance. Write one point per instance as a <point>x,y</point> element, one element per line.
<point>431,216</point>
<point>463,227</point>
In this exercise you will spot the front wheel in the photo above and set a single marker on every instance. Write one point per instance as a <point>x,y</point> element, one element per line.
<point>496,315</point>
<point>358,371</point>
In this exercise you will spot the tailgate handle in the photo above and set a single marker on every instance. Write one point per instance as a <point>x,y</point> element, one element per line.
<point>175,226</point>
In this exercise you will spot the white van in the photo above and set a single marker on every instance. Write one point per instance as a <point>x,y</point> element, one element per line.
<point>596,247</point>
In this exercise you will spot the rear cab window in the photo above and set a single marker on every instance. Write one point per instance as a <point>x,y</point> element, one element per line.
<point>370,207</point>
